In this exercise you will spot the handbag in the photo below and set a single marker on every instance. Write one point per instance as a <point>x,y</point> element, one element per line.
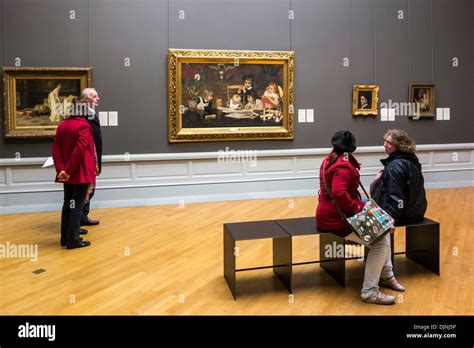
<point>371,224</point>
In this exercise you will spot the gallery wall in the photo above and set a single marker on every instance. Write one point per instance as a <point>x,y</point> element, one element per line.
<point>381,49</point>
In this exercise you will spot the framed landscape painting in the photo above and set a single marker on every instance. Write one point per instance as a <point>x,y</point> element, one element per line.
<point>35,98</point>
<point>216,95</point>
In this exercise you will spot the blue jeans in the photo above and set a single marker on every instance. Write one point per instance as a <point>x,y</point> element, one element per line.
<point>378,264</point>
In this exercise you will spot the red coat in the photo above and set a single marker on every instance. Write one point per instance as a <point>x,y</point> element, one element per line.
<point>343,178</point>
<point>74,152</point>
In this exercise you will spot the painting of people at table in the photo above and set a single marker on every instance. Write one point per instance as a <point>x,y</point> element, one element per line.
<point>230,95</point>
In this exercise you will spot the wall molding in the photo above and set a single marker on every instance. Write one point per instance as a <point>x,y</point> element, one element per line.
<point>154,179</point>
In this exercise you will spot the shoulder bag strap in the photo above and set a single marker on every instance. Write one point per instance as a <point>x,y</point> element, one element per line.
<point>328,190</point>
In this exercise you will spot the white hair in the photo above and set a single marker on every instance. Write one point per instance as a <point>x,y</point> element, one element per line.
<point>86,92</point>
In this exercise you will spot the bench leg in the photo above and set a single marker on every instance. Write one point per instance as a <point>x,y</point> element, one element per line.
<point>229,262</point>
<point>422,246</point>
<point>392,249</point>
<point>282,255</point>
<point>335,265</point>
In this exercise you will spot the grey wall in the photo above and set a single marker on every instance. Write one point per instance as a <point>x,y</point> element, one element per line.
<point>382,50</point>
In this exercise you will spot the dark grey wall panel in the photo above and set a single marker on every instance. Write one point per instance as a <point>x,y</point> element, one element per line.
<point>453,37</point>
<point>230,24</point>
<point>41,33</point>
<point>382,49</point>
<point>321,80</point>
<point>363,62</point>
<point>137,30</point>
<point>421,58</point>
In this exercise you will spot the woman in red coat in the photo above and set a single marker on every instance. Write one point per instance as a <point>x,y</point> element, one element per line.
<point>341,171</point>
<point>75,161</point>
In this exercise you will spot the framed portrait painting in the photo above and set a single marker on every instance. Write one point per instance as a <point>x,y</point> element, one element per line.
<point>216,95</point>
<point>423,96</point>
<point>35,98</point>
<point>365,99</point>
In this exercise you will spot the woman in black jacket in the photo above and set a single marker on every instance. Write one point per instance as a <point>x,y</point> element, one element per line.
<point>399,188</point>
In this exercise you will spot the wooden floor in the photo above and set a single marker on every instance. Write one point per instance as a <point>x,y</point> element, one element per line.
<point>168,260</point>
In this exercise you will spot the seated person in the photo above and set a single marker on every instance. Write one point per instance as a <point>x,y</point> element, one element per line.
<point>236,102</point>
<point>271,97</point>
<point>205,102</point>
<point>253,103</point>
<point>399,188</point>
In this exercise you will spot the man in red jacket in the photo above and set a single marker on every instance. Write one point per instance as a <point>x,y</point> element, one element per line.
<point>75,162</point>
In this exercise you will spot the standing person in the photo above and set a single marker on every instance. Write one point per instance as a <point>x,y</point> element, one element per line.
<point>74,158</point>
<point>399,188</point>
<point>91,97</point>
<point>341,171</point>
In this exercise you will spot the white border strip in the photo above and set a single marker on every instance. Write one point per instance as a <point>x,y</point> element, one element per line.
<point>215,154</point>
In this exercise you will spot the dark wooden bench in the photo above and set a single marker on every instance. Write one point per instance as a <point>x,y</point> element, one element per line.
<point>422,246</point>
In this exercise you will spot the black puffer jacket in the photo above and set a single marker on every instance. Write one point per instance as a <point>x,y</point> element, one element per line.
<point>400,190</point>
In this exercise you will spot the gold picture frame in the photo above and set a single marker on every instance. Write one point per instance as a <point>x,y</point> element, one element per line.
<point>424,95</point>
<point>32,97</point>
<point>221,95</point>
<point>365,100</point>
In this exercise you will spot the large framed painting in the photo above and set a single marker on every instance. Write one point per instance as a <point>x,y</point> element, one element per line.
<point>36,99</point>
<point>424,97</point>
<point>365,100</point>
<point>216,95</point>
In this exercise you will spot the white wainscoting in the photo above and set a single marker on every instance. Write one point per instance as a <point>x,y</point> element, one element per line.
<point>153,179</point>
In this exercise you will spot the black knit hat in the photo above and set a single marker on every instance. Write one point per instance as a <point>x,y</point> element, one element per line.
<point>343,141</point>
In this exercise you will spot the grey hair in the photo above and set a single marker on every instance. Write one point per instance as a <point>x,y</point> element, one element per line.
<point>86,91</point>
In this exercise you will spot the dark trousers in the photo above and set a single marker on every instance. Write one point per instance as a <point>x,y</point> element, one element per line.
<point>74,196</point>
<point>87,205</point>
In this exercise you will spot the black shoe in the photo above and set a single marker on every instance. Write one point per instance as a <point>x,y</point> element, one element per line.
<point>88,222</point>
<point>82,231</point>
<point>81,244</point>
<point>64,244</point>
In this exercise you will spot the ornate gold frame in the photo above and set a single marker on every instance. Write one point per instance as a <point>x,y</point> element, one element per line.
<point>10,74</point>
<point>432,87</point>
<point>373,111</point>
<point>176,133</point>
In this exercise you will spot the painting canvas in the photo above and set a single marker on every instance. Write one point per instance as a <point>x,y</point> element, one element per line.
<point>365,100</point>
<point>37,99</point>
<point>230,95</point>
<point>424,96</point>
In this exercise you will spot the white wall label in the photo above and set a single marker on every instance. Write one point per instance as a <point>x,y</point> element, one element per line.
<point>104,118</point>
<point>113,118</point>
<point>301,115</point>
<point>446,114</point>
<point>310,115</point>
<point>391,114</point>
<point>439,114</point>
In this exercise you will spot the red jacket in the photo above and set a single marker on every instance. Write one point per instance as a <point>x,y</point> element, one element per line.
<point>74,152</point>
<point>343,178</point>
